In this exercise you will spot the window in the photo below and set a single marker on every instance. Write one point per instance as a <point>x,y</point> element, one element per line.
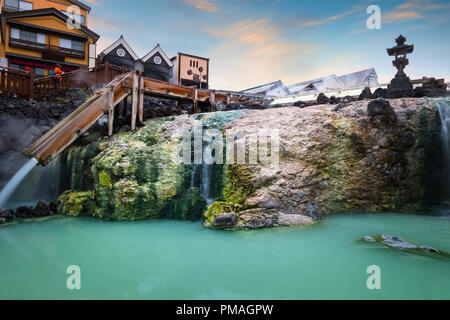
<point>77,45</point>
<point>25,5</point>
<point>27,36</point>
<point>76,17</point>
<point>71,44</point>
<point>37,70</point>
<point>19,5</point>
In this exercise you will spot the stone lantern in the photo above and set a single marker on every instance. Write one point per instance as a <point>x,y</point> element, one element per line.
<point>401,84</point>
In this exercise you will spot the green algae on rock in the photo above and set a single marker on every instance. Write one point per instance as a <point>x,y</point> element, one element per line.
<point>348,160</point>
<point>135,176</point>
<point>76,203</point>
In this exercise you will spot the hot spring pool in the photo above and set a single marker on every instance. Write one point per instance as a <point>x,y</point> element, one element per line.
<point>167,259</point>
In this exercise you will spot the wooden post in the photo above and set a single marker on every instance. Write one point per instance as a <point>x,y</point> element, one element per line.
<point>3,81</point>
<point>30,84</point>
<point>134,101</point>
<point>141,98</point>
<point>195,102</point>
<point>110,111</point>
<point>106,74</point>
<point>212,100</point>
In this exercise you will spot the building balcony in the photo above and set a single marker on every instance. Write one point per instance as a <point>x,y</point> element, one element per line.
<point>48,51</point>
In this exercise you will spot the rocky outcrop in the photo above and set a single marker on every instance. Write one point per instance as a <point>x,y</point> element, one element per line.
<point>364,157</point>
<point>133,176</point>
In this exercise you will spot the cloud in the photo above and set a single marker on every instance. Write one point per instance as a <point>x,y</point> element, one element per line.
<point>103,43</point>
<point>252,52</point>
<point>249,31</point>
<point>96,23</point>
<point>402,15</point>
<point>204,5</point>
<point>411,10</point>
<point>93,2</point>
<point>331,18</point>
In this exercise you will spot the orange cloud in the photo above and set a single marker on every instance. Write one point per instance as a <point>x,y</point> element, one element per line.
<point>96,22</point>
<point>94,2</point>
<point>204,5</point>
<point>402,15</point>
<point>249,31</point>
<point>413,9</point>
<point>331,18</point>
<point>253,52</point>
<point>406,5</point>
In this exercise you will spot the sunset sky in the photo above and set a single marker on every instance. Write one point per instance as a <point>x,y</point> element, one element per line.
<point>258,41</point>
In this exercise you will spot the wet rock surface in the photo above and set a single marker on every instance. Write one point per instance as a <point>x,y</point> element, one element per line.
<point>367,156</point>
<point>42,209</point>
<point>398,243</point>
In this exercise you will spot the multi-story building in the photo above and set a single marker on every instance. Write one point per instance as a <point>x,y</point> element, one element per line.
<point>39,34</point>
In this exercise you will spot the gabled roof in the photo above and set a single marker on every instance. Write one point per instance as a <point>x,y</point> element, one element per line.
<point>42,12</point>
<point>161,52</point>
<point>367,77</point>
<point>120,41</point>
<point>264,87</point>
<point>81,4</point>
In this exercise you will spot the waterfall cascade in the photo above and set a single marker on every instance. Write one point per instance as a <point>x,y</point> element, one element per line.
<point>15,181</point>
<point>443,106</point>
<point>205,186</point>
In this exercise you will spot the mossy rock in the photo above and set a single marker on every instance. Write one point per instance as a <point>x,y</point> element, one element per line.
<point>76,203</point>
<point>219,207</point>
<point>238,185</point>
<point>189,206</point>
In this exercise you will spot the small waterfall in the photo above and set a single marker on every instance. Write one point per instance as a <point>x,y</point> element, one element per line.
<point>12,185</point>
<point>444,112</point>
<point>193,172</point>
<point>205,186</point>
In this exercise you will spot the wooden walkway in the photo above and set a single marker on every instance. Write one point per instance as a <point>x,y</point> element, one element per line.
<point>104,100</point>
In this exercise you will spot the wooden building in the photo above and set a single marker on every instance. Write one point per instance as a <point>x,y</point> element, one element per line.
<point>121,54</point>
<point>190,70</point>
<point>155,64</point>
<point>35,35</point>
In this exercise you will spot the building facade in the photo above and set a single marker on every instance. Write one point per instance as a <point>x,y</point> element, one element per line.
<point>190,70</point>
<point>38,35</point>
<point>155,64</point>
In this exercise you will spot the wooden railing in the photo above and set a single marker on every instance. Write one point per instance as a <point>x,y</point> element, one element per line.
<point>104,73</point>
<point>83,78</point>
<point>16,83</point>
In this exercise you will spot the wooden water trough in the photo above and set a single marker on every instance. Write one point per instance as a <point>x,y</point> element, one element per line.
<point>47,147</point>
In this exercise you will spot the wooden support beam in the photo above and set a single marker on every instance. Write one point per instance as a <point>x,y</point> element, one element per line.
<point>110,111</point>
<point>134,101</point>
<point>195,101</point>
<point>212,100</point>
<point>141,98</point>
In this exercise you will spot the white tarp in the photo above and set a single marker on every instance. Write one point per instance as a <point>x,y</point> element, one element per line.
<point>363,78</point>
